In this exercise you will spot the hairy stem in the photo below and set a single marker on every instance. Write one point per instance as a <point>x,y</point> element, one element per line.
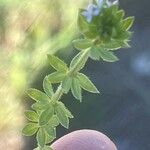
<point>59,92</point>
<point>57,95</point>
<point>83,58</point>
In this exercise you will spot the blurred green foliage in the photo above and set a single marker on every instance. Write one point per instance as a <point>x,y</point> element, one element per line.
<point>28,31</point>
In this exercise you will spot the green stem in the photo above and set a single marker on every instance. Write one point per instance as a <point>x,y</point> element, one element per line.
<point>57,95</point>
<point>83,58</point>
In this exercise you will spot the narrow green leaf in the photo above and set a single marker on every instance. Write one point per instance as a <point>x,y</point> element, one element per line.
<point>40,106</point>
<point>126,45</point>
<point>56,77</point>
<point>113,45</point>
<point>30,129</point>
<point>68,113</point>
<point>47,86</point>
<point>108,56</point>
<point>49,138</point>
<point>62,116</point>
<point>77,58</point>
<point>46,115</point>
<point>86,83</point>
<point>76,89</point>
<point>31,115</point>
<point>120,14</point>
<point>37,95</point>
<point>51,131</point>
<point>41,138</point>
<point>81,44</point>
<point>66,84</point>
<point>94,54</point>
<point>57,64</point>
<point>54,122</point>
<point>127,23</point>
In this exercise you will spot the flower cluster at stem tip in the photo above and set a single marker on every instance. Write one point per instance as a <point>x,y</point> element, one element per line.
<point>95,9</point>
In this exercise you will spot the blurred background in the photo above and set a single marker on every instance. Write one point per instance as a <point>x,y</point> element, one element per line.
<point>31,29</point>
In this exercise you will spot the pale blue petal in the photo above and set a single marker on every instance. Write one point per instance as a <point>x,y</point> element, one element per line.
<point>92,10</point>
<point>89,18</point>
<point>99,3</point>
<point>116,2</point>
<point>85,13</point>
<point>109,3</point>
<point>96,12</point>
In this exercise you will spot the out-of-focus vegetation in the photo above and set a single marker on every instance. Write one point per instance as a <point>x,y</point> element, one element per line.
<point>28,31</point>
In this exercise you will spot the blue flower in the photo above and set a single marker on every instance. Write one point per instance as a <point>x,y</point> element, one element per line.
<point>92,10</point>
<point>109,3</point>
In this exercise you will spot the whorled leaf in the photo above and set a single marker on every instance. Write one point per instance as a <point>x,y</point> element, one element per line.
<point>53,122</point>
<point>127,23</point>
<point>30,129</point>
<point>82,44</point>
<point>76,89</point>
<point>126,45</point>
<point>31,115</point>
<point>66,84</point>
<point>56,77</point>
<point>41,137</point>
<point>120,14</point>
<point>62,115</point>
<point>77,58</point>
<point>37,95</point>
<point>68,113</point>
<point>51,131</point>
<point>47,86</point>
<point>113,45</point>
<point>86,84</point>
<point>48,138</point>
<point>94,54</point>
<point>46,115</point>
<point>108,56</point>
<point>39,106</point>
<point>57,64</point>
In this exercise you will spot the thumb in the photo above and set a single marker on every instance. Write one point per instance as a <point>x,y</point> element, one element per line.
<point>84,140</point>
